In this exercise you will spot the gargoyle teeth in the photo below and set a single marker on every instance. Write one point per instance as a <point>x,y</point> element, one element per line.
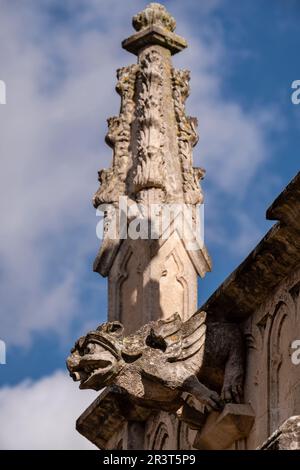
<point>75,376</point>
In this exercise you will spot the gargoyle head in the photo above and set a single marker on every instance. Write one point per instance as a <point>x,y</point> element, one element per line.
<point>96,358</point>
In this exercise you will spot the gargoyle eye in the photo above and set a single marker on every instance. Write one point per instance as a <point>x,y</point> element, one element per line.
<point>115,327</point>
<point>89,348</point>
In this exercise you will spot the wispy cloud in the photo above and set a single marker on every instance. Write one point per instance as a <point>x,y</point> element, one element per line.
<point>42,414</point>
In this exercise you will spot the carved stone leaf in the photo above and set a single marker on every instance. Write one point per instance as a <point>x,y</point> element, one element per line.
<point>150,164</point>
<point>154,14</point>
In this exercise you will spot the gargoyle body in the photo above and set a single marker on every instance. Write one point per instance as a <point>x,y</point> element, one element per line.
<point>163,360</point>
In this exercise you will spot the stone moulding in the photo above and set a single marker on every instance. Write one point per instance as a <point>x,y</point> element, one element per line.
<point>107,415</point>
<point>154,35</point>
<point>110,412</point>
<point>285,208</point>
<point>108,251</point>
<point>267,265</point>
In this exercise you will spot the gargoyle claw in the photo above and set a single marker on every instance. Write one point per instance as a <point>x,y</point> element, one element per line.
<point>232,394</point>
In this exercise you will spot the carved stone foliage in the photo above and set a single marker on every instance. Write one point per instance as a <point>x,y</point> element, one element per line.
<point>154,14</point>
<point>174,280</point>
<point>113,180</point>
<point>149,170</point>
<point>187,138</point>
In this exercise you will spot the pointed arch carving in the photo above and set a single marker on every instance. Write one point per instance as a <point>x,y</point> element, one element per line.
<point>280,326</point>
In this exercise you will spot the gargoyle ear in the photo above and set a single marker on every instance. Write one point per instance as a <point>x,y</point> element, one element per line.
<point>116,328</point>
<point>156,341</point>
<point>112,328</point>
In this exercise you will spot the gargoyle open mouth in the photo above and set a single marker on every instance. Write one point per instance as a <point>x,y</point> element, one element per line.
<point>88,371</point>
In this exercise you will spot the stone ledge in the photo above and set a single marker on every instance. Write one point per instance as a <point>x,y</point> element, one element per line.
<point>107,415</point>
<point>221,430</point>
<point>268,264</point>
<point>154,35</point>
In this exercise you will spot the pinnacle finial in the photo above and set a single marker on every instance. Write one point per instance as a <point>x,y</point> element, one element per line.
<point>154,26</point>
<point>154,14</point>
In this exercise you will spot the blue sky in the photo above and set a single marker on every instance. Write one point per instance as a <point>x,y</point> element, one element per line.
<point>58,60</point>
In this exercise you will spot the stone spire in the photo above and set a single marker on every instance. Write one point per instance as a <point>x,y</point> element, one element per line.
<point>152,141</point>
<point>152,138</point>
<point>161,381</point>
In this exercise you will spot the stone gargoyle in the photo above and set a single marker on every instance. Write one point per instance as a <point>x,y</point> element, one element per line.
<point>163,360</point>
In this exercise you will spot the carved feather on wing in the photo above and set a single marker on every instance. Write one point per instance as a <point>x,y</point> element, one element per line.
<point>182,340</point>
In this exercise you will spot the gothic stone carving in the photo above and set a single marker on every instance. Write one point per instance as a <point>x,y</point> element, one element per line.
<point>113,180</point>
<point>146,169</point>
<point>187,138</point>
<point>154,14</point>
<point>272,380</point>
<point>150,168</point>
<point>154,25</point>
<point>162,360</point>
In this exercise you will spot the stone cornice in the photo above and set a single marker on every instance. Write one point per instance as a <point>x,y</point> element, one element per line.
<point>154,35</point>
<point>273,259</point>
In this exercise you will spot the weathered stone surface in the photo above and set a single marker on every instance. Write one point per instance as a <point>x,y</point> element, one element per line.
<point>221,430</point>
<point>163,380</point>
<point>287,437</point>
<point>265,292</point>
<point>272,378</point>
<point>152,279</point>
<point>152,138</point>
<point>155,26</point>
<point>274,258</point>
<point>104,422</point>
<point>154,14</point>
<point>154,35</point>
<point>161,361</point>
<point>100,423</point>
<point>270,327</point>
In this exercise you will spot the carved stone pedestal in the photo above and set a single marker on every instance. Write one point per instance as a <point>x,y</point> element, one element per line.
<point>111,422</point>
<point>221,430</point>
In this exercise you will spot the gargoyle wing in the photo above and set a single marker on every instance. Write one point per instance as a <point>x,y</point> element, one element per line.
<point>182,339</point>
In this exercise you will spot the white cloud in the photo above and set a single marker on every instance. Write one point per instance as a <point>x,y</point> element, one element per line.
<point>60,90</point>
<point>42,414</point>
<point>233,140</point>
